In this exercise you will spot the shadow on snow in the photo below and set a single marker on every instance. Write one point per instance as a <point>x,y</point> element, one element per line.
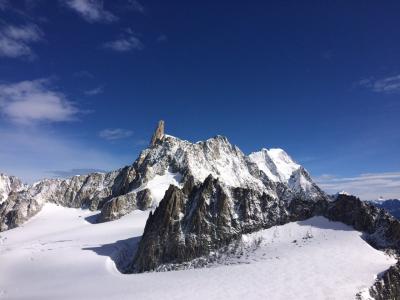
<point>121,252</point>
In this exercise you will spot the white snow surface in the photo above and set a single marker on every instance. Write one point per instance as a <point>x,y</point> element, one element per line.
<point>159,184</point>
<point>58,254</point>
<point>4,188</point>
<point>275,163</point>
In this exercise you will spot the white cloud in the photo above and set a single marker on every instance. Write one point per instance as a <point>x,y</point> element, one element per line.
<point>369,186</point>
<point>115,134</point>
<point>91,10</point>
<point>28,102</point>
<point>126,42</point>
<point>136,6</point>
<point>3,4</point>
<point>384,85</point>
<point>15,40</point>
<point>162,38</point>
<point>36,153</point>
<point>95,91</point>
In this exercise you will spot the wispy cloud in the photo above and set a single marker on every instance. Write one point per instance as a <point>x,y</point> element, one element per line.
<point>113,134</point>
<point>383,85</point>
<point>162,38</point>
<point>95,91</point>
<point>368,186</point>
<point>91,10</point>
<point>28,102</point>
<point>30,153</point>
<point>135,6</point>
<point>125,42</point>
<point>15,41</point>
<point>3,4</point>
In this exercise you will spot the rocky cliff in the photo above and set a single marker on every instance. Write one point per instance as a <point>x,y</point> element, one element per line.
<point>86,191</point>
<point>193,222</point>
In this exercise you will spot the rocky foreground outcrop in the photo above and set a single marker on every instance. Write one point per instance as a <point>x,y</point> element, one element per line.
<point>192,223</point>
<point>82,191</point>
<point>381,230</point>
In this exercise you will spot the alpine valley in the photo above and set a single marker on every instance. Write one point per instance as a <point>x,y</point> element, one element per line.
<point>194,220</point>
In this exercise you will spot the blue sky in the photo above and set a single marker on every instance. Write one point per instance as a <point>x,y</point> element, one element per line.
<point>83,82</point>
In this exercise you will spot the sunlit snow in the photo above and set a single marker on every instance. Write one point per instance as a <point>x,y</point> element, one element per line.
<point>60,254</point>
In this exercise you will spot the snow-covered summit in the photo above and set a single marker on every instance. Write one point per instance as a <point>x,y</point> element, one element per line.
<point>275,163</point>
<point>215,156</point>
<point>167,160</point>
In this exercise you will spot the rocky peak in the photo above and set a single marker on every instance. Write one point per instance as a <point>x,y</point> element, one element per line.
<point>8,184</point>
<point>158,133</point>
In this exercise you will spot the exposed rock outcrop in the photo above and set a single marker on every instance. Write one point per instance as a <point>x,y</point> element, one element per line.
<point>190,224</point>
<point>387,287</point>
<point>390,205</point>
<point>380,229</point>
<point>86,191</point>
<point>158,133</point>
<point>124,204</point>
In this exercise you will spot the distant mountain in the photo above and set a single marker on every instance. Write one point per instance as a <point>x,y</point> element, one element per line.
<point>390,205</point>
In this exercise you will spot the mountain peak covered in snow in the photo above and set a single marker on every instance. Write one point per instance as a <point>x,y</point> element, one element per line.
<point>275,163</point>
<point>168,160</point>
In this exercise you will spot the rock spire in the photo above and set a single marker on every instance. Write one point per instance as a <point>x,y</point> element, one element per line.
<point>158,133</point>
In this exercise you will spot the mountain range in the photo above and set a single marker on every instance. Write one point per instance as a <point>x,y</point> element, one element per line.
<point>202,198</point>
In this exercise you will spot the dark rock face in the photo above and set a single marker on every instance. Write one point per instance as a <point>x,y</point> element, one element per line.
<point>163,231</point>
<point>381,229</point>
<point>121,205</point>
<point>391,205</point>
<point>388,286</point>
<point>189,224</point>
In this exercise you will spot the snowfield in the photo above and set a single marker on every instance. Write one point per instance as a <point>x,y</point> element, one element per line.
<point>61,254</point>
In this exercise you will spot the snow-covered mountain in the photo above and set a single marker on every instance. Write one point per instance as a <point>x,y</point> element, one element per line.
<point>202,199</point>
<point>168,160</point>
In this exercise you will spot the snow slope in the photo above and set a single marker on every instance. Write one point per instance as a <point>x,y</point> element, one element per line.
<point>160,183</point>
<point>275,163</point>
<point>60,254</point>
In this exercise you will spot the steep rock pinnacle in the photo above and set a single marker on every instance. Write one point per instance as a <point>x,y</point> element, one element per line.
<point>158,133</point>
